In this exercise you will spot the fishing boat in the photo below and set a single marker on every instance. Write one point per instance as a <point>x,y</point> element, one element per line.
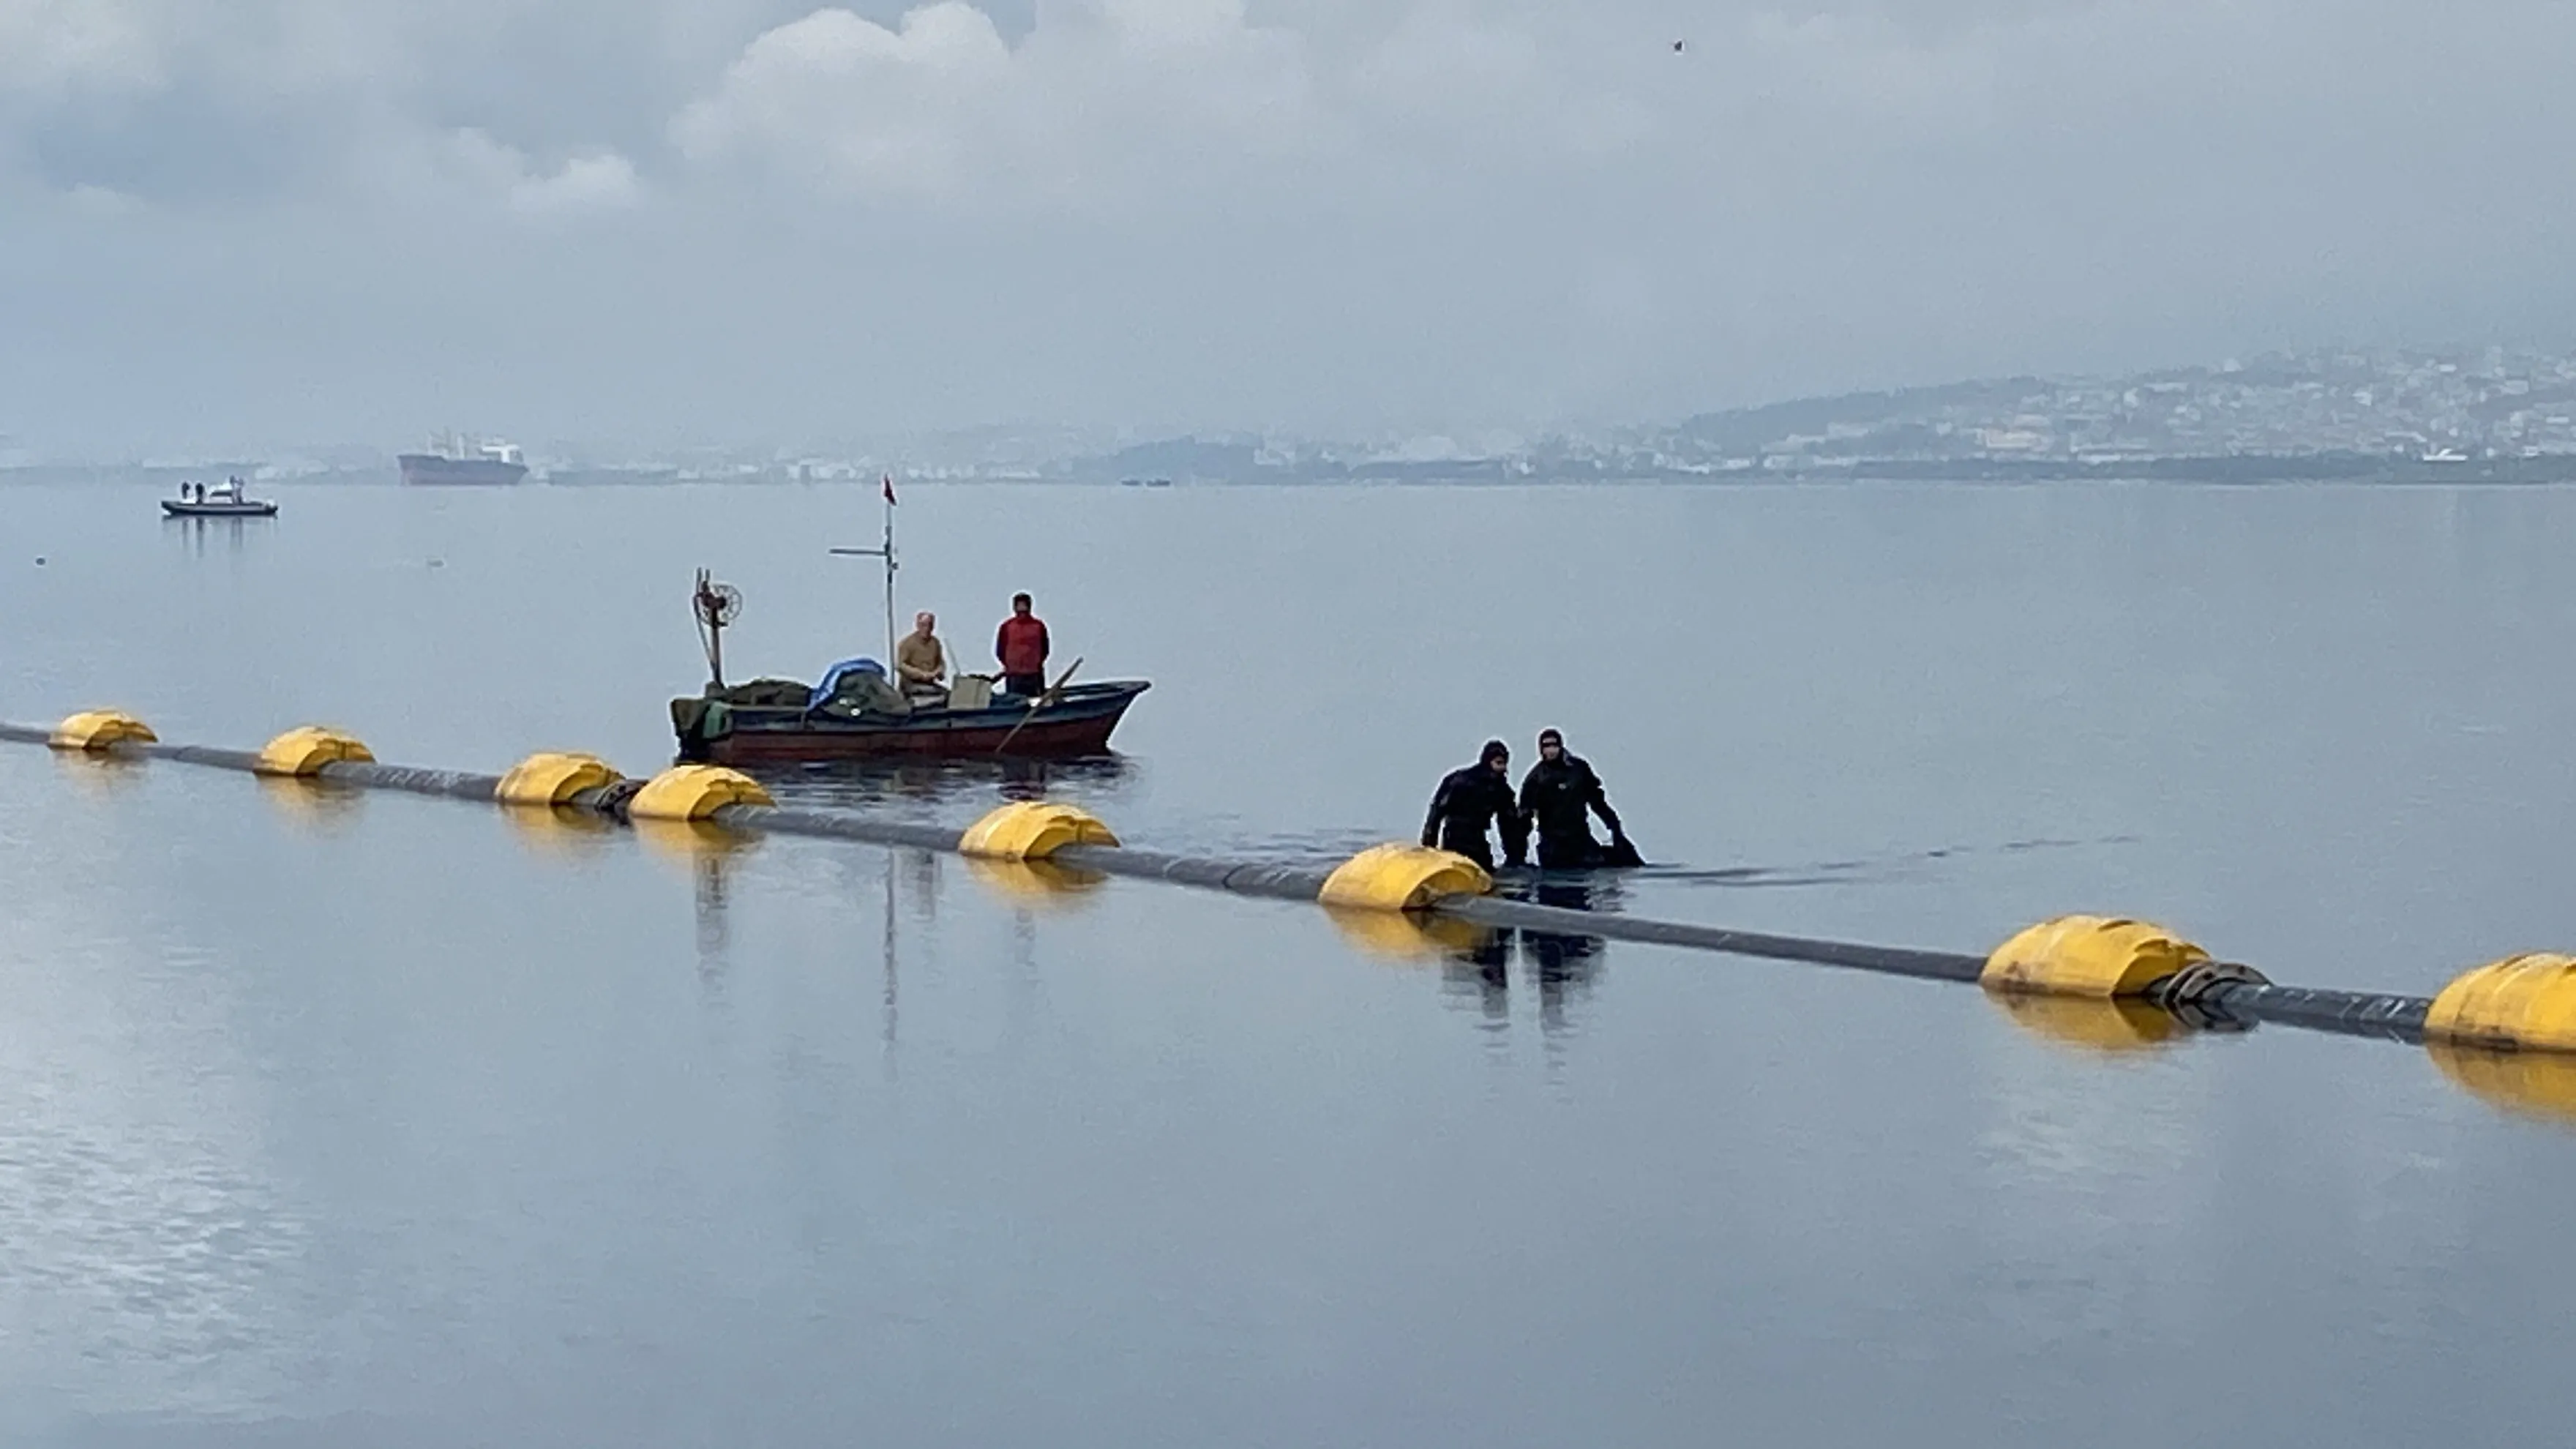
<point>766,722</point>
<point>857,711</point>
<point>221,500</point>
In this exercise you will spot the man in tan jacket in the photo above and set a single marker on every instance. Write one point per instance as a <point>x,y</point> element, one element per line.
<point>920,663</point>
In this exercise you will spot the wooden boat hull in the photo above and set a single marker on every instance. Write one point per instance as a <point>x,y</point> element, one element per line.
<point>1077,725</point>
<point>262,509</point>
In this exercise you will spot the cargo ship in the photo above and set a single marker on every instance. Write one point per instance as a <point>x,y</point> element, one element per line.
<point>455,459</point>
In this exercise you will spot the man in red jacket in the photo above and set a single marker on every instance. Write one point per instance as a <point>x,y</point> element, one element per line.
<point>1022,645</point>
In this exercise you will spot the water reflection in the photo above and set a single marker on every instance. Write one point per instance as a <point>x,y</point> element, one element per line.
<point>2539,1085</point>
<point>710,854</point>
<point>1476,960</point>
<point>232,535</point>
<point>1041,884</point>
<point>926,890</point>
<point>710,896</point>
<point>941,791</point>
<point>1563,964</point>
<point>2107,1028</point>
<point>715,856</point>
<point>1403,936</point>
<point>935,789</point>
<point>1479,974</point>
<point>327,808</point>
<point>568,834</point>
<point>99,776</point>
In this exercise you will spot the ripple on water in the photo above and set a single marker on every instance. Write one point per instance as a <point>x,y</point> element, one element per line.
<point>151,1265</point>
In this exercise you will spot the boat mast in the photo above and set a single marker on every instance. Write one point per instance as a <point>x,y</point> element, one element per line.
<point>885,552</point>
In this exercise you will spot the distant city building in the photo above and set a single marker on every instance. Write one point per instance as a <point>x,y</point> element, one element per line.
<point>2460,409</point>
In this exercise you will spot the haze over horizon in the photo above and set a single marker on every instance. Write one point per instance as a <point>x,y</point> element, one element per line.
<point>737,219</point>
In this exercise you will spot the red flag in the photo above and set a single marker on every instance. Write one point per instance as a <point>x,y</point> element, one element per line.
<point>889,488</point>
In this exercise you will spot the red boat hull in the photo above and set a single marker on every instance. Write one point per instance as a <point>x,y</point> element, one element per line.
<point>1037,741</point>
<point>1077,726</point>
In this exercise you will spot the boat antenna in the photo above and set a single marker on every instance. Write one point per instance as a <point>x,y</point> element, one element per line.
<point>884,551</point>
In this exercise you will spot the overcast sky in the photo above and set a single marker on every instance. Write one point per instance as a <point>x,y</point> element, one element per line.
<point>261,221</point>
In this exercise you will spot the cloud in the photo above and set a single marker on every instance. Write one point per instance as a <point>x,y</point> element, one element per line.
<point>50,48</point>
<point>102,202</point>
<point>469,166</point>
<point>76,52</point>
<point>834,98</point>
<point>1094,106</point>
<point>594,182</point>
<point>1106,105</point>
<point>1460,213</point>
<point>177,105</point>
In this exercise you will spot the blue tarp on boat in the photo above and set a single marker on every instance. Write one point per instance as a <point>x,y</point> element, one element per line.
<point>832,678</point>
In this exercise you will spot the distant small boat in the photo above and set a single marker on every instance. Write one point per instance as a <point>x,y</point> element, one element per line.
<point>223,500</point>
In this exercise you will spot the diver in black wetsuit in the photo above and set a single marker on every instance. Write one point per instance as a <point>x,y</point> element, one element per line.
<point>1555,796</point>
<point>1469,798</point>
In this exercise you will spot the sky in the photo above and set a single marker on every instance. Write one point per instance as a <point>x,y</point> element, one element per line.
<point>274,222</point>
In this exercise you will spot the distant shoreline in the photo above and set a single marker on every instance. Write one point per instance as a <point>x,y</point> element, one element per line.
<point>2252,469</point>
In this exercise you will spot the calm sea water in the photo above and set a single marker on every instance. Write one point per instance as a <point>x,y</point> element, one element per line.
<point>334,1120</point>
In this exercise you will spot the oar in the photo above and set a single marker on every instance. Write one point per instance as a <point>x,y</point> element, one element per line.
<point>1041,702</point>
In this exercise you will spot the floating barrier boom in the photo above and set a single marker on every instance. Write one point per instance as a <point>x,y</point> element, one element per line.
<point>2521,1003</point>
